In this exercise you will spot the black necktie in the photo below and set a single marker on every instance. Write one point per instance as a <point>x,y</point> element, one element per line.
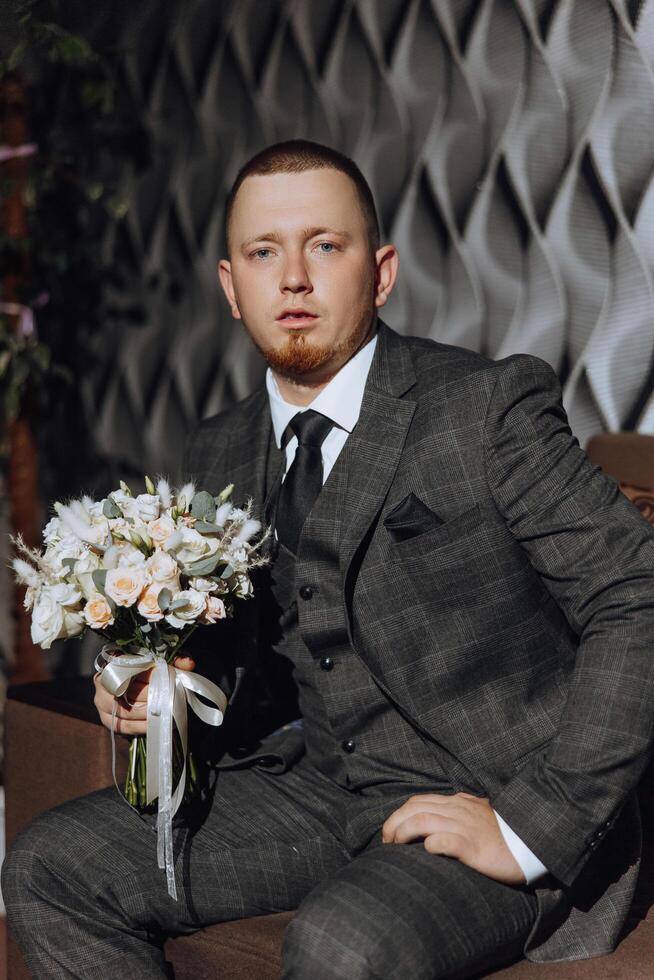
<point>303,481</point>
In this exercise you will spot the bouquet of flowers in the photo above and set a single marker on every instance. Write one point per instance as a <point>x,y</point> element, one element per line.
<point>144,572</point>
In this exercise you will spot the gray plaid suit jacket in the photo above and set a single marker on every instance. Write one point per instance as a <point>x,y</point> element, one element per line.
<point>510,616</point>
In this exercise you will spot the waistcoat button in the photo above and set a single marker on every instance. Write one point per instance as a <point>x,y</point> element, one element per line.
<point>349,746</point>
<point>306,592</point>
<point>326,663</point>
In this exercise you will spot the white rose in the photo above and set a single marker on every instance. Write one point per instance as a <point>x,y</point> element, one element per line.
<point>148,506</point>
<point>125,584</point>
<point>83,572</point>
<point>65,594</point>
<point>164,570</point>
<point>97,612</point>
<point>204,584</point>
<point>193,546</point>
<point>73,623</point>
<point>55,553</point>
<point>123,553</point>
<point>215,610</point>
<point>148,606</point>
<point>194,606</point>
<point>53,530</point>
<point>47,619</point>
<point>127,504</point>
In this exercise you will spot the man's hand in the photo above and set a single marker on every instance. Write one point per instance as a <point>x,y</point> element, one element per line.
<point>461,826</point>
<point>130,720</point>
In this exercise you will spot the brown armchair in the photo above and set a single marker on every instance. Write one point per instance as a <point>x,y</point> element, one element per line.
<point>49,723</point>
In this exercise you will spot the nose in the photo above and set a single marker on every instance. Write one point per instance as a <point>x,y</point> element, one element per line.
<point>295,275</point>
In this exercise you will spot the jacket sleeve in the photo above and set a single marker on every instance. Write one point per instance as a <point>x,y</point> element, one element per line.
<point>595,554</point>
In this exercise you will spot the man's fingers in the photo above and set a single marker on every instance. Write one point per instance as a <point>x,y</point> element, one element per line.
<point>420,825</point>
<point>449,844</point>
<point>131,708</point>
<point>123,726</point>
<point>434,802</point>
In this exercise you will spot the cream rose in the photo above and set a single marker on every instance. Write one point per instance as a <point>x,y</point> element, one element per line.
<point>125,584</point>
<point>97,612</point>
<point>215,610</point>
<point>148,605</point>
<point>194,606</point>
<point>161,529</point>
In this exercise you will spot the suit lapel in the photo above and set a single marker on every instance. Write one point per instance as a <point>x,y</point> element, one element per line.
<point>374,448</point>
<point>248,450</point>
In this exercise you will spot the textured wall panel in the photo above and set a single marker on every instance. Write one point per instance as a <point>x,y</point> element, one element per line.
<point>510,147</point>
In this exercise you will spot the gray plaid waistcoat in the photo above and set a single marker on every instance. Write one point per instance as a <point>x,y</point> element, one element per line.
<point>352,731</point>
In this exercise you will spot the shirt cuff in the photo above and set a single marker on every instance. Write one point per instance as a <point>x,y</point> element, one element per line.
<point>531,866</point>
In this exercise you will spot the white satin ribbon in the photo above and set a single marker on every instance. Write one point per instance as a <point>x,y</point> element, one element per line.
<point>169,692</point>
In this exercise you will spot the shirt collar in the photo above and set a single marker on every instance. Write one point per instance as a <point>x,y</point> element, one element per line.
<point>339,401</point>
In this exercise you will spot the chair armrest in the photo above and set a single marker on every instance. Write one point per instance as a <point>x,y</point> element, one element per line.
<point>55,749</point>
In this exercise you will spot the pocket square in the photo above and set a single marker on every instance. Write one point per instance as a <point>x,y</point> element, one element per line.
<point>410,518</point>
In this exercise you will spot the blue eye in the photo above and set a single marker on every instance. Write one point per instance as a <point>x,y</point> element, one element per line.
<point>328,245</point>
<point>259,251</point>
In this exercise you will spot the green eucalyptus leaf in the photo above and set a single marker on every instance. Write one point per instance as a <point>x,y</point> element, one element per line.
<point>146,628</point>
<point>164,599</point>
<point>176,604</point>
<point>207,527</point>
<point>110,509</point>
<point>99,577</point>
<point>203,506</point>
<point>205,566</point>
<point>69,563</point>
<point>227,572</point>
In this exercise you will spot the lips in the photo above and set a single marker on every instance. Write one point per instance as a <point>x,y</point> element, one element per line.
<point>296,318</point>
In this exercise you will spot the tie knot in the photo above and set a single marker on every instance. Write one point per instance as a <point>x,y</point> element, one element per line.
<point>311,428</point>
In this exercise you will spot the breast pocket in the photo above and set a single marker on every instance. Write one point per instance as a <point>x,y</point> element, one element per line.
<point>456,530</point>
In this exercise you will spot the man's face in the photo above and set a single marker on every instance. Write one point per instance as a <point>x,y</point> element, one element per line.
<point>299,242</point>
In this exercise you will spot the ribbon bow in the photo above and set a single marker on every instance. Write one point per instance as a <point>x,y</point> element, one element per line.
<point>170,691</point>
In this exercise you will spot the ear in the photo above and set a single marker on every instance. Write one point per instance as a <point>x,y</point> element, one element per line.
<point>226,281</point>
<point>387,264</point>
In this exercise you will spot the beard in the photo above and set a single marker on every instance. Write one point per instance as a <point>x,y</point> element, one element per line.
<point>302,361</point>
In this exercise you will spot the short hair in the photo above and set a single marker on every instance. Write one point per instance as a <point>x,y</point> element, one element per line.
<point>296,156</point>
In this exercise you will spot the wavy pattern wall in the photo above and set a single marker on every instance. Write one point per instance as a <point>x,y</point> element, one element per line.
<point>510,147</point>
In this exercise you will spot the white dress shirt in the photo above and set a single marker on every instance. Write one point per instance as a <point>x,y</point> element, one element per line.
<point>340,401</point>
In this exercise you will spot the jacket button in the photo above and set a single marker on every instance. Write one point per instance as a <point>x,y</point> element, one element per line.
<point>349,746</point>
<point>326,663</point>
<point>306,592</point>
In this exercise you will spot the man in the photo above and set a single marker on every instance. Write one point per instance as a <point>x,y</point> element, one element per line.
<point>467,606</point>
